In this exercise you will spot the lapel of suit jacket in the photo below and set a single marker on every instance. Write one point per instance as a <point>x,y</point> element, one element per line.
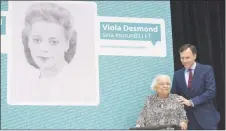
<point>195,78</point>
<point>183,81</point>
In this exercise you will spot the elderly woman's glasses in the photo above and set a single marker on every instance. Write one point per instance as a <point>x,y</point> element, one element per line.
<point>162,84</point>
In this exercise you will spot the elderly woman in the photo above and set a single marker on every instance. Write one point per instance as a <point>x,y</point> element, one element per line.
<point>162,108</point>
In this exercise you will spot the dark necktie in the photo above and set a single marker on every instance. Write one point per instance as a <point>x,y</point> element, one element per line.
<point>190,78</point>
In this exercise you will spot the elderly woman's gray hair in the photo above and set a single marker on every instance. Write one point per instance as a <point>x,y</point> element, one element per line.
<point>154,82</point>
<point>49,12</point>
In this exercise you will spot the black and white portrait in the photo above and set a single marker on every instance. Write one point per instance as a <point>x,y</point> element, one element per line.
<point>53,59</point>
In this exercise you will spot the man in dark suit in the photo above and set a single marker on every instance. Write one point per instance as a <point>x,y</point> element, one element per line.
<point>195,83</point>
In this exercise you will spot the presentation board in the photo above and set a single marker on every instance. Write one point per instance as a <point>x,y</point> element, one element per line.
<point>81,65</point>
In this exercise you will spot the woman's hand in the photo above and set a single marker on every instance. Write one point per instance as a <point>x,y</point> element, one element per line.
<point>138,125</point>
<point>183,125</point>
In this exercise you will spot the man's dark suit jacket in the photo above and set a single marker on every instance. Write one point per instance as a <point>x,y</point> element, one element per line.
<point>202,93</point>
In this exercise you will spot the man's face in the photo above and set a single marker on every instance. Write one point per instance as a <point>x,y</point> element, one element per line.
<point>187,58</point>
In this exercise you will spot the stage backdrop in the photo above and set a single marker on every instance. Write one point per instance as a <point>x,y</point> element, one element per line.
<point>133,44</point>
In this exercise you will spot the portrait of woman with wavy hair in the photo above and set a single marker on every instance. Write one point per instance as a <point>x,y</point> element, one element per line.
<point>48,38</point>
<point>50,42</point>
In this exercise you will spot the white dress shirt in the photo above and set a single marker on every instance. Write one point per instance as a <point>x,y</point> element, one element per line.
<point>186,73</point>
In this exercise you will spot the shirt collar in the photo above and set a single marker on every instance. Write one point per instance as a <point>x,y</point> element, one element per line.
<point>193,67</point>
<point>157,98</point>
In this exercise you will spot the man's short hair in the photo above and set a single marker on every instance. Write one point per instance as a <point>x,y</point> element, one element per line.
<point>186,46</point>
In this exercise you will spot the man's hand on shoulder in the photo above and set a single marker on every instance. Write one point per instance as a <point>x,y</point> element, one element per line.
<point>184,101</point>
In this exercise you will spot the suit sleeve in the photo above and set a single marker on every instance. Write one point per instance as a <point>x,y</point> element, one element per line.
<point>210,89</point>
<point>174,85</point>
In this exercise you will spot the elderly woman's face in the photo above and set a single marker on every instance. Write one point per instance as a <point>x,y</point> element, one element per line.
<point>47,43</point>
<point>163,86</point>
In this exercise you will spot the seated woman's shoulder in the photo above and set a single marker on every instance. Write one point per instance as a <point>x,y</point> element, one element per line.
<point>174,95</point>
<point>151,96</point>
